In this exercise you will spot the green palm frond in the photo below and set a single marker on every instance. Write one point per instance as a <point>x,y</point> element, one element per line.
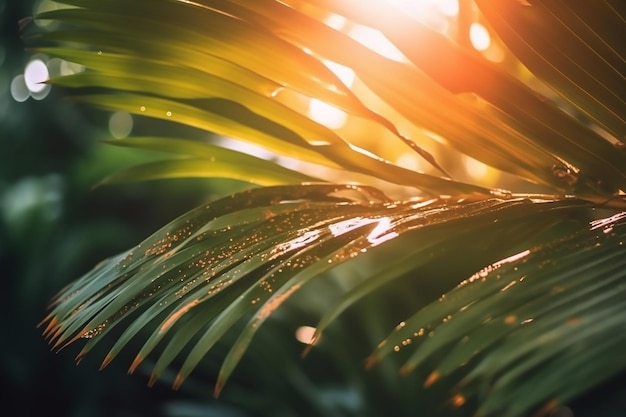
<point>250,253</point>
<point>572,48</point>
<point>540,322</point>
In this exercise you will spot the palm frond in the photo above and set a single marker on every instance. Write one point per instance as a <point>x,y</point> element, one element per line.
<point>529,323</point>
<point>249,252</point>
<point>569,45</point>
<point>202,160</point>
<point>525,327</point>
<point>228,72</point>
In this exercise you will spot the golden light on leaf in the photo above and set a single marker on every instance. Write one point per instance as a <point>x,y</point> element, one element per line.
<point>478,171</point>
<point>409,160</point>
<point>345,74</point>
<point>475,169</point>
<point>377,42</point>
<point>326,114</point>
<point>335,21</point>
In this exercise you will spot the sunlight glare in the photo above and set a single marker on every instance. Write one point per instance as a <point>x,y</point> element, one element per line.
<point>435,14</point>
<point>244,147</point>
<point>377,42</point>
<point>382,232</point>
<point>35,74</point>
<point>345,74</point>
<point>325,114</point>
<point>408,160</point>
<point>479,36</point>
<point>449,7</point>
<point>476,169</point>
<point>336,21</point>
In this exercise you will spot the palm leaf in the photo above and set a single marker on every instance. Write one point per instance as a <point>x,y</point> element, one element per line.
<point>591,81</point>
<point>250,254</point>
<point>545,307</point>
<point>204,160</point>
<point>527,326</point>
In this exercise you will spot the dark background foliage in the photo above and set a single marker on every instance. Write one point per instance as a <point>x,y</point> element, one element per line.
<point>55,227</point>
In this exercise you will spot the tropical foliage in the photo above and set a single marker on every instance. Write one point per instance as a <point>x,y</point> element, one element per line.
<point>533,284</point>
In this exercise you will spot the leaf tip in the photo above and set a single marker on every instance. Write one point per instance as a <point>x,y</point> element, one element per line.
<point>432,378</point>
<point>107,360</point>
<point>24,22</point>
<point>153,379</point>
<point>133,366</point>
<point>370,362</point>
<point>405,370</point>
<point>80,356</point>
<point>179,381</point>
<point>219,386</point>
<point>458,400</point>
<point>52,326</point>
<point>548,409</point>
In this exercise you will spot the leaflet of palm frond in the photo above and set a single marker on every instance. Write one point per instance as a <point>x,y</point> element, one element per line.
<point>575,46</point>
<point>202,160</point>
<point>427,253</point>
<point>437,247</point>
<point>215,115</point>
<point>527,325</point>
<point>487,136</point>
<point>229,39</point>
<point>476,129</point>
<point>246,254</point>
<point>232,119</point>
<point>545,124</point>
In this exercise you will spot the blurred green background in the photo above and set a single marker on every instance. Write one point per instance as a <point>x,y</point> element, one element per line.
<point>55,227</point>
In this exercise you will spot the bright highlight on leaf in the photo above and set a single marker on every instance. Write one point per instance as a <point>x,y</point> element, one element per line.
<point>377,42</point>
<point>326,114</point>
